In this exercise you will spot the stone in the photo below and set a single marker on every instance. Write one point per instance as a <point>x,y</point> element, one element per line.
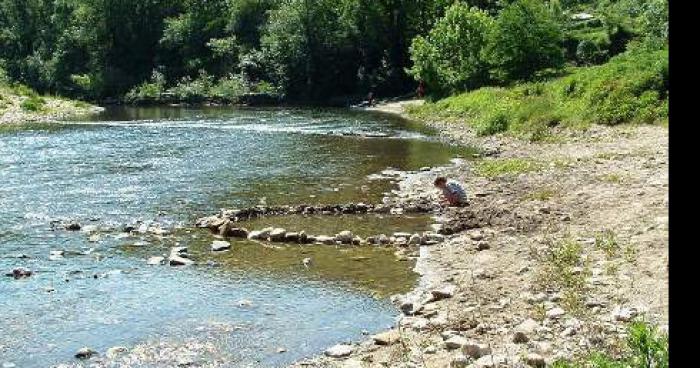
<point>415,239</point>
<point>94,238</point>
<point>490,361</point>
<point>278,234</point>
<point>401,241</point>
<point>535,360</point>
<point>529,326</point>
<point>176,260</point>
<point>19,272</point>
<point>344,237</point>
<point>85,353</point>
<point>255,234</point>
<point>482,245</point>
<point>324,239</point>
<point>402,235</point>
<point>475,349</point>
<point>459,361</point>
<point>220,245</point>
<point>291,237</point>
<point>476,236</point>
<point>387,338</point>
<point>357,240</point>
<point>281,350</point>
<point>455,342</point>
<point>623,314</point>
<point>73,226</point>
<point>443,293</point>
<point>115,350</point>
<point>155,260</point>
<point>520,337</point>
<point>555,313</point>
<point>339,351</point>
<point>383,239</point>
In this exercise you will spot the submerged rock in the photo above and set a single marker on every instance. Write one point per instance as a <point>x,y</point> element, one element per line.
<point>19,272</point>
<point>220,245</point>
<point>155,260</point>
<point>115,350</point>
<point>85,353</point>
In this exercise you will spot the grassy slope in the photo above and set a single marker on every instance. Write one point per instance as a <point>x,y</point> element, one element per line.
<point>19,103</point>
<point>630,88</point>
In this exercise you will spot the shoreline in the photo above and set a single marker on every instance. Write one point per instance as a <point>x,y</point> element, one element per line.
<point>499,312</point>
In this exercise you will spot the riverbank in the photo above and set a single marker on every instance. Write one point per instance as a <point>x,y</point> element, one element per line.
<point>574,247</point>
<point>21,104</point>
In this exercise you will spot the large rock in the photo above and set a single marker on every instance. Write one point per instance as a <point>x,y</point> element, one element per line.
<point>339,351</point>
<point>456,342</point>
<point>291,237</point>
<point>345,237</point>
<point>220,245</point>
<point>324,239</point>
<point>85,353</point>
<point>278,234</point>
<point>255,235</point>
<point>387,338</point>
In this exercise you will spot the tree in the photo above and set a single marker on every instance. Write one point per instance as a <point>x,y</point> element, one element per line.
<point>526,38</point>
<point>450,59</point>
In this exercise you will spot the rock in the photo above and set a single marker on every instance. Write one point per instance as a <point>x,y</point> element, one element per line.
<point>401,242</point>
<point>94,238</point>
<point>238,232</point>
<point>555,313</point>
<point>528,327</point>
<point>155,260</point>
<point>220,245</point>
<point>85,353</point>
<point>281,350</point>
<point>357,240</point>
<point>73,226</point>
<point>475,349</point>
<point>383,239</point>
<point>443,293</point>
<point>482,245</point>
<point>520,337</point>
<point>490,361</point>
<point>402,235</point>
<point>415,239</point>
<point>344,237</point>
<point>265,233</point>
<point>115,350</point>
<point>456,342</point>
<point>459,361</point>
<point>181,251</point>
<point>245,303</point>
<point>623,314</point>
<point>324,239</point>
<point>176,260</point>
<point>291,237</point>
<point>19,272</point>
<point>476,236</point>
<point>339,351</point>
<point>306,262</point>
<point>255,234</point>
<point>387,338</point>
<point>434,237</point>
<point>278,234</point>
<point>535,360</point>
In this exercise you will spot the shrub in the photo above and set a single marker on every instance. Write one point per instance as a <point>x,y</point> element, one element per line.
<point>526,38</point>
<point>149,91</point>
<point>33,103</point>
<point>449,58</point>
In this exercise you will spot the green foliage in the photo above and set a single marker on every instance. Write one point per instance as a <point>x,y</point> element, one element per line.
<point>526,38</point>
<point>630,88</point>
<point>450,58</point>
<point>646,348</point>
<point>33,104</point>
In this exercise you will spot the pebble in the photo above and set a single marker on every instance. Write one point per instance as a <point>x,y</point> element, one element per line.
<point>535,360</point>
<point>387,338</point>
<point>220,245</point>
<point>520,337</point>
<point>555,313</point>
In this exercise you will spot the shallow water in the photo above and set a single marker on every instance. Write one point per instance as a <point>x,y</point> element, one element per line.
<point>169,166</point>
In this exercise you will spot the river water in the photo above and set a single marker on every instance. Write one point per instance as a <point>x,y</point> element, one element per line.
<point>168,166</point>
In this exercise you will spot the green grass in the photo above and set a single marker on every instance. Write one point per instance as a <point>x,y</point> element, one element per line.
<point>630,88</point>
<point>510,166</point>
<point>607,242</point>
<point>541,195</point>
<point>612,178</point>
<point>645,347</point>
<point>557,272</point>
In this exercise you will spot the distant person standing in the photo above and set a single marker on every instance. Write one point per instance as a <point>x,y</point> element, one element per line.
<point>453,193</point>
<point>420,91</point>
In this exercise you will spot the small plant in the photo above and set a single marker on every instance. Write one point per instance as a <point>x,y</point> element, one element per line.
<point>607,242</point>
<point>630,254</point>
<point>541,195</point>
<point>498,167</point>
<point>612,178</point>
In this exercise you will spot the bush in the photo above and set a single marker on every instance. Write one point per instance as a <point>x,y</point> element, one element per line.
<point>450,58</point>
<point>149,91</point>
<point>33,104</point>
<point>526,38</point>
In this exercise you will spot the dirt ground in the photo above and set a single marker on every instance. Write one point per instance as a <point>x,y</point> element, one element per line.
<point>558,256</point>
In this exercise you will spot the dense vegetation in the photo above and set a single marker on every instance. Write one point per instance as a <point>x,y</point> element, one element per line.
<point>187,50</point>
